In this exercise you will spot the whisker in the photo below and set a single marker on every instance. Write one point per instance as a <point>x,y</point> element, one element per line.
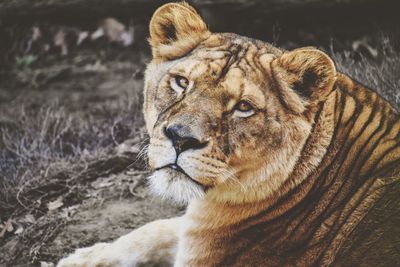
<point>141,156</point>
<point>142,153</point>
<point>231,176</point>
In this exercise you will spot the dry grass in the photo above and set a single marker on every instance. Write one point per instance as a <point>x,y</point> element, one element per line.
<point>381,73</point>
<point>52,139</point>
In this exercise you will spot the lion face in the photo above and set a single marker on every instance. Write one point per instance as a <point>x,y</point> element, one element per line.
<point>222,110</point>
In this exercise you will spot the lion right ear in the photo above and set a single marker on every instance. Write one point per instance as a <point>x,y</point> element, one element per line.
<point>305,77</point>
<point>175,29</point>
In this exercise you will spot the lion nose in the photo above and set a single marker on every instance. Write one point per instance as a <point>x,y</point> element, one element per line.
<point>182,139</point>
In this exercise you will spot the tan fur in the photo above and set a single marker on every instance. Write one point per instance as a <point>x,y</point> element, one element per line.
<point>284,183</point>
<point>190,31</point>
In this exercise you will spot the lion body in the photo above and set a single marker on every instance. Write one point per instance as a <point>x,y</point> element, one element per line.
<point>283,160</point>
<point>310,228</point>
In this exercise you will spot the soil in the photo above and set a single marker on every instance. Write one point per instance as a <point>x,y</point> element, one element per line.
<point>106,212</point>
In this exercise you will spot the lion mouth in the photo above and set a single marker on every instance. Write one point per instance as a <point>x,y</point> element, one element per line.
<point>177,168</point>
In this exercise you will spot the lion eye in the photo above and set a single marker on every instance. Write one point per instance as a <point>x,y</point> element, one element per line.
<point>243,106</point>
<point>179,83</point>
<point>182,82</point>
<point>243,109</point>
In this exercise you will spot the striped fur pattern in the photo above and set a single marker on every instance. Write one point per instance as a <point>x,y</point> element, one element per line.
<point>282,159</point>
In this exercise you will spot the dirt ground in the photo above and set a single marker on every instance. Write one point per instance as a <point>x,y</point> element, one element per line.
<point>112,207</point>
<point>72,144</point>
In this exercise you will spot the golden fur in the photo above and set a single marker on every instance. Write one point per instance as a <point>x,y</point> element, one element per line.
<point>280,157</point>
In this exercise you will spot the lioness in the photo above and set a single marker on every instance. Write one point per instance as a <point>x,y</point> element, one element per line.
<point>283,161</point>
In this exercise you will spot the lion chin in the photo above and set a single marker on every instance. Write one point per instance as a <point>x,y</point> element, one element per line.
<point>174,185</point>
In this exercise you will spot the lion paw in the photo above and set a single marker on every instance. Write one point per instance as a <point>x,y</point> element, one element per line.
<point>94,256</point>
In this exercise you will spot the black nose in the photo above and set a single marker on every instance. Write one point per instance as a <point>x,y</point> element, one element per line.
<point>182,139</point>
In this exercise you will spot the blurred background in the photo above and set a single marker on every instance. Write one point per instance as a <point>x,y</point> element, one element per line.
<point>72,141</point>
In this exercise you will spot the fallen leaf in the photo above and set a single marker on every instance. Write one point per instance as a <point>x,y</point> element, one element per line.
<point>127,38</point>
<point>46,264</point>
<point>60,41</point>
<point>105,184</point>
<point>112,29</point>
<point>19,230</point>
<point>6,227</point>
<point>96,67</point>
<point>9,225</point>
<point>97,34</point>
<point>69,211</point>
<point>54,205</point>
<point>36,33</point>
<point>81,37</point>
<point>29,218</point>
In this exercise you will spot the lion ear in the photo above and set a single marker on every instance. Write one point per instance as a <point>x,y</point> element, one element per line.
<point>175,29</point>
<point>305,76</point>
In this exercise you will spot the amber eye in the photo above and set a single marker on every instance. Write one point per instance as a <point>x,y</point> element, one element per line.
<point>243,106</point>
<point>182,82</point>
<point>243,109</point>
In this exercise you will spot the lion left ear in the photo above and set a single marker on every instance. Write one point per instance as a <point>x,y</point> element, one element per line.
<point>175,29</point>
<point>305,76</point>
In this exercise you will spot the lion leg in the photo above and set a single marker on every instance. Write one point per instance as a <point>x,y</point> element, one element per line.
<point>153,244</point>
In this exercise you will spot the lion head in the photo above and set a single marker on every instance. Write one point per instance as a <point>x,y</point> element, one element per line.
<point>227,115</point>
